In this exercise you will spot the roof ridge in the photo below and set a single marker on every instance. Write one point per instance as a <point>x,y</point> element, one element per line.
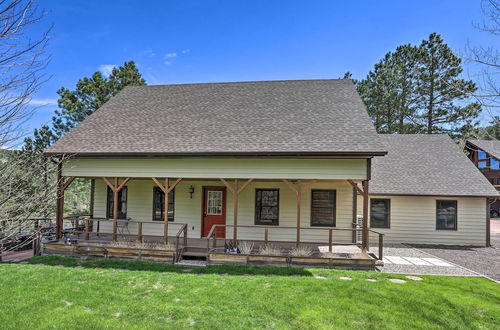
<point>244,82</point>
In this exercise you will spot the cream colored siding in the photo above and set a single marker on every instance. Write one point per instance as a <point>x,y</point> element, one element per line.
<point>413,220</point>
<point>187,210</point>
<point>219,168</point>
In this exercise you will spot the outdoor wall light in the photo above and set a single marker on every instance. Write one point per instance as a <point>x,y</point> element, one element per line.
<point>191,191</point>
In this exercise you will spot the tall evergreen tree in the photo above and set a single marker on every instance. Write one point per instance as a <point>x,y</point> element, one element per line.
<point>389,93</point>
<point>90,94</point>
<point>419,90</point>
<point>443,97</point>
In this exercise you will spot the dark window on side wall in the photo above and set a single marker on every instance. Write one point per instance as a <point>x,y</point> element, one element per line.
<point>267,207</point>
<point>446,214</point>
<point>159,204</point>
<point>122,203</point>
<point>323,204</point>
<point>380,213</point>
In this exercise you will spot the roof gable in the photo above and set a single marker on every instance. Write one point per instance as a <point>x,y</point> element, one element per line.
<point>491,147</point>
<point>302,117</point>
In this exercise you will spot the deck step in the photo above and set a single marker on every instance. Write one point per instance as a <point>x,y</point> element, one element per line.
<point>194,251</point>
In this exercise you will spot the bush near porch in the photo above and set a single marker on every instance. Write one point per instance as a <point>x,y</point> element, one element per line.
<point>115,294</point>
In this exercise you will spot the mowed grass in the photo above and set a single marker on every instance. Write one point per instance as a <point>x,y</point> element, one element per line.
<point>125,294</point>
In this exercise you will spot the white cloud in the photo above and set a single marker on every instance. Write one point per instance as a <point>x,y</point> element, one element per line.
<point>149,52</point>
<point>185,51</point>
<point>42,102</point>
<point>170,55</point>
<point>168,62</point>
<point>106,69</point>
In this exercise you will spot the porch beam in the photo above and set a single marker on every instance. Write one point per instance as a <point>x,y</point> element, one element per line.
<point>236,192</point>
<point>68,182</point>
<point>355,185</point>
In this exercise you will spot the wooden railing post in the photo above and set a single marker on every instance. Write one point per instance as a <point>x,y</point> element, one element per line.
<point>87,229</point>
<point>139,232</point>
<point>330,240</point>
<point>214,236</point>
<point>266,236</point>
<point>380,246</point>
<point>185,235</point>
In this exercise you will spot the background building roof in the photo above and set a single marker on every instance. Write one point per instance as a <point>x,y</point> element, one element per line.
<point>492,147</point>
<point>273,117</point>
<point>419,164</point>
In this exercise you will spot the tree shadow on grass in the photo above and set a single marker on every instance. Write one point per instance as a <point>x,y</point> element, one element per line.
<point>166,268</point>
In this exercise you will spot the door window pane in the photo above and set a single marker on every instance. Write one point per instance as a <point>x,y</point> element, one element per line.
<point>214,202</point>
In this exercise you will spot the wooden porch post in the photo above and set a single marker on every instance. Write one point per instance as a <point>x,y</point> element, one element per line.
<point>62,185</point>
<point>298,190</point>
<point>166,188</point>
<point>116,187</point>
<point>235,214</point>
<point>236,192</point>
<point>365,244</point>
<point>115,211</point>
<point>60,201</point>
<point>165,212</point>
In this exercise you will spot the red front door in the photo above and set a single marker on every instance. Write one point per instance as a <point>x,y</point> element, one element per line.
<point>214,210</point>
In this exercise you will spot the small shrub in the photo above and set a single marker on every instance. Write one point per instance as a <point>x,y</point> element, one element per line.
<point>270,250</point>
<point>302,251</point>
<point>143,245</point>
<point>245,247</point>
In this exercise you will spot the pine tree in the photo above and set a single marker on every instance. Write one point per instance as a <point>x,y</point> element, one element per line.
<point>419,90</point>
<point>389,93</point>
<point>90,94</point>
<point>443,97</point>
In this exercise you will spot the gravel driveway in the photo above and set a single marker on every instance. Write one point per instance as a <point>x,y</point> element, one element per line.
<point>483,260</point>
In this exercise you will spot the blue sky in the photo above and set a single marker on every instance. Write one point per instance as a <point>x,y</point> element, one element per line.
<point>206,41</point>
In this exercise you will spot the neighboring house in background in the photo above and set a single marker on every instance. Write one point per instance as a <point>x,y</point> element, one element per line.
<point>485,154</point>
<point>289,156</point>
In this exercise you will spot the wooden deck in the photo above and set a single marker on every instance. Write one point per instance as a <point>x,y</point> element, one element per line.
<point>100,245</point>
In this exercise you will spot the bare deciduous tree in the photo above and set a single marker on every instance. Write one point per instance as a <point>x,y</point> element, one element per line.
<point>28,191</point>
<point>23,194</point>
<point>487,60</point>
<point>22,60</point>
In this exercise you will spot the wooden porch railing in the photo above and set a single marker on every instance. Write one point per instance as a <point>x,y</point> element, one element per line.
<point>89,223</point>
<point>182,231</point>
<point>212,235</point>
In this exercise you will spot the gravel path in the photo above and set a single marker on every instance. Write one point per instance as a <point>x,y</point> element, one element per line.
<point>485,261</point>
<point>408,251</point>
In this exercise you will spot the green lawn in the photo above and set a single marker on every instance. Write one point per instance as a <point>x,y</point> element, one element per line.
<point>147,295</point>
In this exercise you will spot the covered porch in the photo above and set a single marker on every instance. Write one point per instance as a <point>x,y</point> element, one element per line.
<point>306,211</point>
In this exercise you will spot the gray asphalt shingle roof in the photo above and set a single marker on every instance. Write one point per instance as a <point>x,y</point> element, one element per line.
<point>490,146</point>
<point>297,116</point>
<point>419,164</point>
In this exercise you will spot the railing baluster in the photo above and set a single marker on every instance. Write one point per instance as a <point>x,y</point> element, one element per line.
<point>330,240</point>
<point>266,236</point>
<point>380,246</point>
<point>87,229</point>
<point>139,232</point>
